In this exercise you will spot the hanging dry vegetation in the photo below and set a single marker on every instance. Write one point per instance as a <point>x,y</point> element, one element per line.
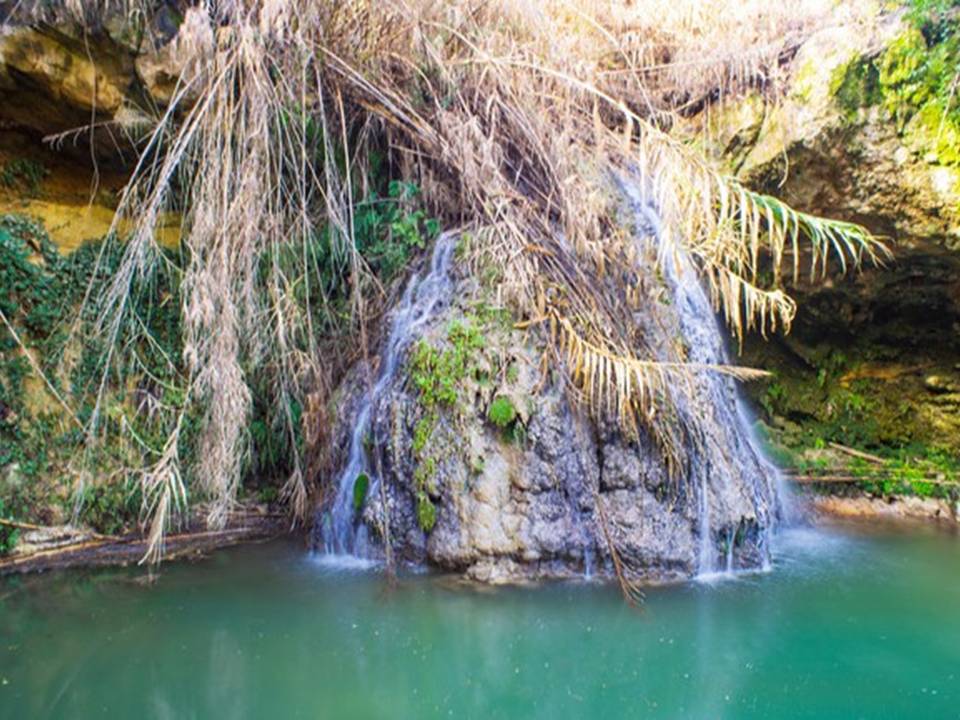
<point>515,119</point>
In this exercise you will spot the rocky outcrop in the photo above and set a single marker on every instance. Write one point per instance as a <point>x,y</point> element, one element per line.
<point>543,490</point>
<point>836,145</point>
<point>875,510</point>
<point>72,100</point>
<point>106,81</point>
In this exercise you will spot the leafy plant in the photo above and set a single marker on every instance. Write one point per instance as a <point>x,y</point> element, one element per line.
<point>389,230</point>
<point>8,535</point>
<point>40,433</point>
<point>360,486</point>
<point>25,174</point>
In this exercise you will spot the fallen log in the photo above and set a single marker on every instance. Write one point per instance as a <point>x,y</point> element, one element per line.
<point>878,477</point>
<point>877,460</point>
<point>104,550</point>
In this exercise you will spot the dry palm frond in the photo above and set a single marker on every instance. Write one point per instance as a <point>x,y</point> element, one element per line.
<point>735,235</point>
<point>631,581</point>
<point>747,307</point>
<point>629,390</point>
<point>622,385</point>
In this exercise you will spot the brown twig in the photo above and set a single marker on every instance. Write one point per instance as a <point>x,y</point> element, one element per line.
<point>631,593</point>
<point>857,453</point>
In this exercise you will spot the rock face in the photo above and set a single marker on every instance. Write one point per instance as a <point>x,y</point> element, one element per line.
<point>58,82</point>
<point>847,143</point>
<point>63,78</point>
<point>544,491</point>
<point>836,143</point>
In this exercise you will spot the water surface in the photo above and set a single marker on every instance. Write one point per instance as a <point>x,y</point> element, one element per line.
<point>845,626</point>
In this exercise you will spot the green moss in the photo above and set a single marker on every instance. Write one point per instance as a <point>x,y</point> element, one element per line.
<point>937,133</point>
<point>426,512</point>
<point>502,413</point>
<point>916,469</point>
<point>903,81</point>
<point>856,85</point>
<point>422,431</point>
<point>439,375</point>
<point>913,81</point>
<point>852,398</point>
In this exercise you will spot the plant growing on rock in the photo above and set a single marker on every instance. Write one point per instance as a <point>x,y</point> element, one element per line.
<point>505,418</point>
<point>502,413</point>
<point>438,375</point>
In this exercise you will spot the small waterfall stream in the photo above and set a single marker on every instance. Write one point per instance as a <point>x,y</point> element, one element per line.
<point>731,443</point>
<point>343,535</point>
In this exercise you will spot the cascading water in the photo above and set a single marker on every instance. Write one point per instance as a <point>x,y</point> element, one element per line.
<point>729,446</point>
<point>343,534</point>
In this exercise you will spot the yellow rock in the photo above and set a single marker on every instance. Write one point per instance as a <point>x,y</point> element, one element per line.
<point>69,76</point>
<point>72,203</point>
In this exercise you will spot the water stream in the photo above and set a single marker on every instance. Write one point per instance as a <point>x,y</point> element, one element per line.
<point>345,539</point>
<point>730,453</point>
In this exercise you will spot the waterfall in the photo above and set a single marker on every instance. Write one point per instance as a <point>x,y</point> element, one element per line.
<point>731,451</point>
<point>730,497</point>
<point>343,532</point>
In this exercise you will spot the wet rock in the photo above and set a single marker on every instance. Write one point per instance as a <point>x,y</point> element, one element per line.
<point>542,500</point>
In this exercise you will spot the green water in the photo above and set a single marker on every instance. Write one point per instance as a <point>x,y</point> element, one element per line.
<point>845,627</point>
